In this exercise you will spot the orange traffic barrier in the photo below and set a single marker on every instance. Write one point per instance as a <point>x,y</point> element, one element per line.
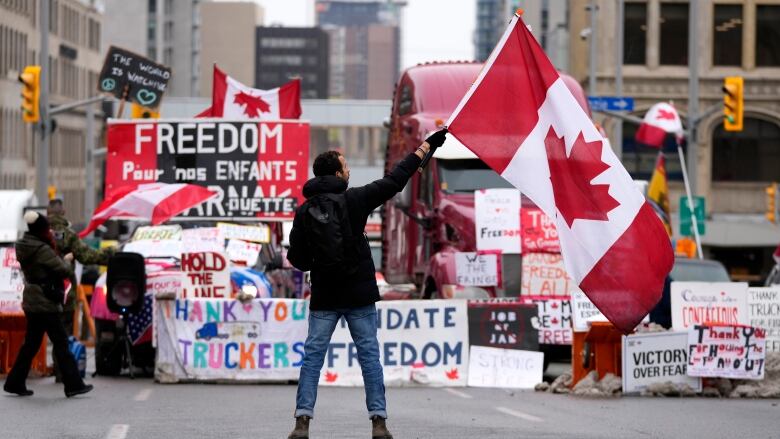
<point>12,329</point>
<point>597,349</point>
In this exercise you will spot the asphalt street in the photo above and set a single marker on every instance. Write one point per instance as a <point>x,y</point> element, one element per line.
<point>123,408</point>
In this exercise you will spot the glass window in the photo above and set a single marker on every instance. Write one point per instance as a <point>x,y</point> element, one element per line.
<point>674,34</point>
<point>635,33</point>
<point>405,102</point>
<point>468,175</point>
<point>768,35</point>
<point>727,35</point>
<point>749,155</point>
<point>639,159</point>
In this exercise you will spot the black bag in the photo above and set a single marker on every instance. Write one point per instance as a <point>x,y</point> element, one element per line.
<point>329,235</point>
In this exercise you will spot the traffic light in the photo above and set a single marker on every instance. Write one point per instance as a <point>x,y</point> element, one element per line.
<point>772,201</point>
<point>31,89</point>
<point>141,112</point>
<point>733,103</point>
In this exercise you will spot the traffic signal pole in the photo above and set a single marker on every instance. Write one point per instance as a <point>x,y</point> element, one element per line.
<point>42,155</point>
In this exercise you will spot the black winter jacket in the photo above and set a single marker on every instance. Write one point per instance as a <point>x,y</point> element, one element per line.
<point>330,292</point>
<point>39,263</point>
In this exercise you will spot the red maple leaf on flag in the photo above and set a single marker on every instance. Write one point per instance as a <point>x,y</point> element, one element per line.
<point>452,374</point>
<point>575,196</point>
<point>664,114</point>
<point>331,377</point>
<point>253,105</point>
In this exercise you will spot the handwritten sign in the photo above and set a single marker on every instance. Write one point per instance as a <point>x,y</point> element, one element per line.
<point>764,312</point>
<point>582,310</point>
<point>727,351</point>
<point>202,239</point>
<point>159,241</point>
<point>131,77</point>
<point>474,269</point>
<point>553,319</point>
<point>657,357</point>
<point>206,275</point>
<point>243,252</point>
<point>11,282</point>
<point>697,303</point>
<point>502,324</point>
<point>505,368</point>
<point>260,234</point>
<point>539,232</point>
<point>498,219</point>
<point>543,274</point>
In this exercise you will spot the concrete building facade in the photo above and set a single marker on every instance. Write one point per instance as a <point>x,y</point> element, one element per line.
<point>284,53</point>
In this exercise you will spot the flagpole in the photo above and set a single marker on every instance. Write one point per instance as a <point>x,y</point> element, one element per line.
<point>690,199</point>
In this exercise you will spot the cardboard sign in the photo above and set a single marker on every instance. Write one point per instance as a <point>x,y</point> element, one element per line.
<point>157,233</point>
<point>259,233</point>
<point>206,275</point>
<point>258,168</point>
<point>543,274</point>
<point>505,368</point>
<point>657,357</point>
<point>727,351</point>
<point>243,252</point>
<point>553,320</point>
<point>211,339</point>
<point>11,282</point>
<point>474,269</point>
<point>420,343</point>
<point>696,303</point>
<point>502,324</point>
<point>156,241</point>
<point>498,219</point>
<point>202,239</point>
<point>539,232</point>
<point>764,312</point>
<point>582,310</point>
<point>132,77</point>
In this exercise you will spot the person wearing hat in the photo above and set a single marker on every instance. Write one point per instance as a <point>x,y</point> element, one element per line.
<point>44,292</point>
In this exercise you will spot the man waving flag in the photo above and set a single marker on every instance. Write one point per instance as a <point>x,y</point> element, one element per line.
<point>539,139</point>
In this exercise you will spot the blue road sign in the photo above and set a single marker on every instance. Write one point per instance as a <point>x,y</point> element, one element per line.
<point>611,103</point>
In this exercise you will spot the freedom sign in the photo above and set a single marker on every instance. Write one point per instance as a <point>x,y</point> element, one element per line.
<point>420,343</point>
<point>498,220</point>
<point>258,168</point>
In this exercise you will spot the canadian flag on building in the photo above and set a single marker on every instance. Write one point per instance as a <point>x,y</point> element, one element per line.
<point>231,99</point>
<point>660,119</point>
<point>540,140</point>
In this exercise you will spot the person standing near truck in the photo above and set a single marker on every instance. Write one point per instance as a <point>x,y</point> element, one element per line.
<point>327,239</point>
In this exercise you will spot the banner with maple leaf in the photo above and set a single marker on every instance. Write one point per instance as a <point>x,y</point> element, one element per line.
<point>542,141</point>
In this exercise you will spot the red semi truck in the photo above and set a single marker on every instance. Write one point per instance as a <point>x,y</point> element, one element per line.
<point>433,218</point>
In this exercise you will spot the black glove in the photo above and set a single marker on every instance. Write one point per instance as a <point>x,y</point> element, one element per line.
<point>437,139</point>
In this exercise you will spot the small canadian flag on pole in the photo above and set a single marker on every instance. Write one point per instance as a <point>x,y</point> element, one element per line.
<point>231,99</point>
<point>660,119</point>
<point>541,140</point>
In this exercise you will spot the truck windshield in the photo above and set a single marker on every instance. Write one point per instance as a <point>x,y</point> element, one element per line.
<point>468,175</point>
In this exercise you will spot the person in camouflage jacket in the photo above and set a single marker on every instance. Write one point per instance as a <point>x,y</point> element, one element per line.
<point>68,241</point>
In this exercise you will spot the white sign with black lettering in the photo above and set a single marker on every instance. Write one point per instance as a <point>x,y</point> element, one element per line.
<point>498,220</point>
<point>505,368</point>
<point>656,357</point>
<point>764,312</point>
<point>474,269</point>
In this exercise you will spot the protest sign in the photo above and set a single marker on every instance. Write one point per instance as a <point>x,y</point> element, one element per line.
<point>212,339</point>
<point>505,368</point>
<point>657,357</point>
<point>708,302</point>
<point>420,343</point>
<point>764,312</point>
<point>206,275</point>
<point>159,241</point>
<point>727,351</point>
<point>131,77</point>
<point>11,282</point>
<point>258,168</point>
<point>583,309</point>
<point>543,274</point>
<point>259,233</point>
<point>502,324</point>
<point>538,232</point>
<point>553,319</point>
<point>497,219</point>
<point>202,239</point>
<point>243,252</point>
<point>475,269</point>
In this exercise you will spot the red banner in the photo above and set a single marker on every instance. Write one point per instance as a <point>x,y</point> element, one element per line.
<point>258,168</point>
<point>538,232</point>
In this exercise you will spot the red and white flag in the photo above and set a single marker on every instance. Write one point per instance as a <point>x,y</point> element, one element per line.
<point>660,120</point>
<point>231,99</point>
<point>539,139</point>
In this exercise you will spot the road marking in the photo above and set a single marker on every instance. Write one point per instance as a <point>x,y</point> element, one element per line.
<point>457,393</point>
<point>520,415</point>
<point>143,395</point>
<point>118,431</point>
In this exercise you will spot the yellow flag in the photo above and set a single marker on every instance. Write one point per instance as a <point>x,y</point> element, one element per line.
<point>658,192</point>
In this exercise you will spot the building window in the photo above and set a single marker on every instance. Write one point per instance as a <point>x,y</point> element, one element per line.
<point>635,33</point>
<point>749,155</point>
<point>281,60</point>
<point>727,35</point>
<point>768,36</point>
<point>674,34</point>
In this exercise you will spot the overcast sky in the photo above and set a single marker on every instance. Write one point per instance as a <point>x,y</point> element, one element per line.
<point>433,30</point>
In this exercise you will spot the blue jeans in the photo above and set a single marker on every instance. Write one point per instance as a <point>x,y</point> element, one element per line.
<point>362,327</point>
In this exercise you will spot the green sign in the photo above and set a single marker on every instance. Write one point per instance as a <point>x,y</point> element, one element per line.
<point>686,220</point>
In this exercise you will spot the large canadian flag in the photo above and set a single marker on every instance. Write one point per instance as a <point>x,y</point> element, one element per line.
<point>231,99</point>
<point>521,119</point>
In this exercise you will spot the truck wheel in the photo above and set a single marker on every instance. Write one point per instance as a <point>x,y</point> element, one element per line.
<point>430,289</point>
